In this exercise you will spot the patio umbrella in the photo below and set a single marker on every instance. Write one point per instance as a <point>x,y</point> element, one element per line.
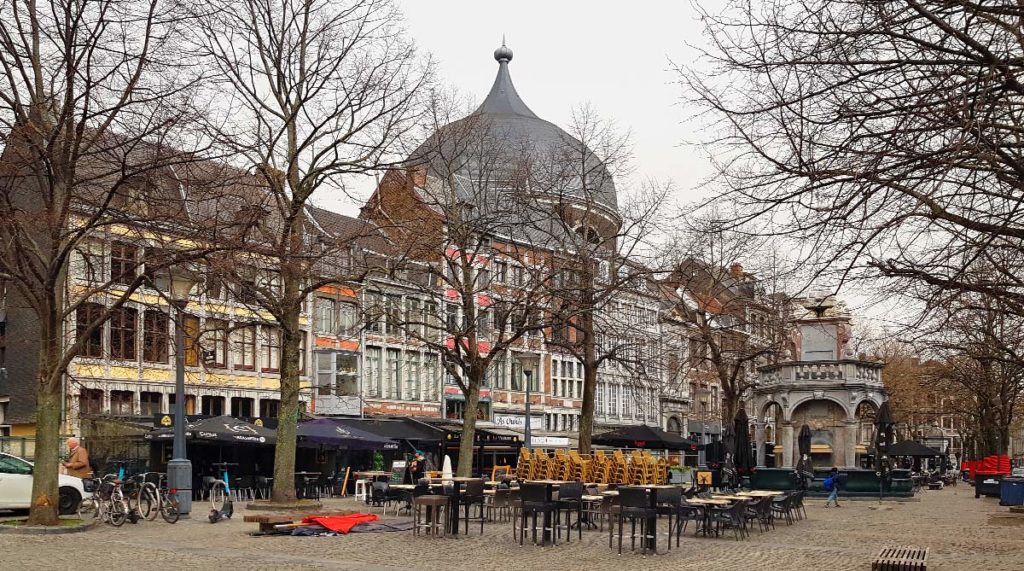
<point>220,430</point>
<point>446,469</point>
<point>743,456</point>
<point>804,468</point>
<point>913,449</point>
<point>328,432</point>
<point>883,429</point>
<point>643,436</point>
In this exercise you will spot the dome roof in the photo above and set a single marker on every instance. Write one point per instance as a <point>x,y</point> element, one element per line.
<point>518,131</point>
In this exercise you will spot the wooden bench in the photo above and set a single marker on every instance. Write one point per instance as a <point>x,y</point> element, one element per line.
<point>901,558</point>
<point>268,521</point>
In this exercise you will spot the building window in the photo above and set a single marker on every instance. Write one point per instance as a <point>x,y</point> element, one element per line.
<point>270,357</point>
<point>269,408</point>
<point>501,272</point>
<point>412,376</point>
<point>613,400</point>
<point>374,311</point>
<point>190,403</point>
<point>215,348</point>
<point>122,403</point>
<point>123,263</point>
<point>90,261</point>
<point>241,407</point>
<point>85,315</point>
<point>373,371</point>
<point>151,404</point>
<point>123,329</point>
<point>452,317</point>
<point>154,336</point>
<point>324,373</point>
<point>626,403</point>
<point>90,401</point>
<point>190,323</point>
<point>431,389</point>
<point>393,318</point>
<point>213,406</point>
<point>599,399</point>
<point>498,373</point>
<point>348,318</point>
<point>245,348</point>
<point>325,316</point>
<point>394,373</point>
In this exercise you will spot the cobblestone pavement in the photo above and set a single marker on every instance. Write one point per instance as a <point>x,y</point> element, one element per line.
<point>962,532</point>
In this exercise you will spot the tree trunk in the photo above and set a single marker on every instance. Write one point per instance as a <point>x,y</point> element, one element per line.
<point>466,447</point>
<point>288,413</point>
<point>586,434</point>
<point>44,508</point>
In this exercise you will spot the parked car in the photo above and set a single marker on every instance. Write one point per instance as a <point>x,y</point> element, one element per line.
<point>16,486</point>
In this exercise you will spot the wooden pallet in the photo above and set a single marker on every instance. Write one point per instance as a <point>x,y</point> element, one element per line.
<point>901,558</point>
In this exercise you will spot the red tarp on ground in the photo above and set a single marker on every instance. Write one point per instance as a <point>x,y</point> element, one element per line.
<point>340,523</point>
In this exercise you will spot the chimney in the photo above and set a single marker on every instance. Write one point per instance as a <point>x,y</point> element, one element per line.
<point>736,270</point>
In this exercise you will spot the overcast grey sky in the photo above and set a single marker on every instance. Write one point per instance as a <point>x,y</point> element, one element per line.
<point>613,55</point>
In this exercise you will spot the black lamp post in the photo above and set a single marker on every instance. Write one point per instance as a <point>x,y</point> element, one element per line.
<point>528,363</point>
<point>179,468</point>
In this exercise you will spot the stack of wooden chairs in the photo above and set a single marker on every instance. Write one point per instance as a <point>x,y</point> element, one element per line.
<point>640,468</point>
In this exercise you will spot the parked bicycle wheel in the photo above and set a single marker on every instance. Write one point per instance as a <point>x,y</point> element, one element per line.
<point>218,496</point>
<point>118,512</point>
<point>149,501</point>
<point>169,508</point>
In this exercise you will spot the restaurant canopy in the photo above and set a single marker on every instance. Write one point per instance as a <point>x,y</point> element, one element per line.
<point>911,448</point>
<point>219,430</point>
<point>644,436</point>
<point>413,432</point>
<point>332,433</point>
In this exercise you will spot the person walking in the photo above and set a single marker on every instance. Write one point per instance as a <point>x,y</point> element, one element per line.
<point>78,460</point>
<point>832,486</point>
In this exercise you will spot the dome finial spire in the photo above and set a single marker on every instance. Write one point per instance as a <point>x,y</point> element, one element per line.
<point>503,54</point>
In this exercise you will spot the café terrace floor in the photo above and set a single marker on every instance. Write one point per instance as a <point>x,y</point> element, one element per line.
<point>962,532</point>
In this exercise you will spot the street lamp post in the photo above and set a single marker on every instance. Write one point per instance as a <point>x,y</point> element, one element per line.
<point>528,363</point>
<point>179,469</point>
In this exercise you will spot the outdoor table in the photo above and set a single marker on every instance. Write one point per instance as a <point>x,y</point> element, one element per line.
<point>652,522</point>
<point>760,493</point>
<point>372,475</point>
<point>301,492</point>
<point>611,493</point>
<point>549,488</point>
<point>453,499</point>
<point>403,486</point>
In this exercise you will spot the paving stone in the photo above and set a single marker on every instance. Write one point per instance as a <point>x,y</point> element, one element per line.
<point>956,526</point>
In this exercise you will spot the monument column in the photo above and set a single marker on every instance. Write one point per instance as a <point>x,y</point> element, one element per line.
<point>759,440</point>
<point>787,445</point>
<point>851,443</point>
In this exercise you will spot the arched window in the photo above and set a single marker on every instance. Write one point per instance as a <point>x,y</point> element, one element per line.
<point>674,426</point>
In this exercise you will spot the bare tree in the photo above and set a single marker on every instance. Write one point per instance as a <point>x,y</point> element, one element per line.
<point>739,320</point>
<point>460,212</point>
<point>978,349</point>
<point>94,113</point>
<point>602,257</point>
<point>315,90</point>
<point>885,134</point>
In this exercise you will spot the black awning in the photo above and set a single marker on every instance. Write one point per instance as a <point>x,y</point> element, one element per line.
<point>482,436</point>
<point>911,448</point>
<point>397,429</point>
<point>643,436</point>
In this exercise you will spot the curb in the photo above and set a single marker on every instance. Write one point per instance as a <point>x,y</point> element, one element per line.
<point>38,530</point>
<point>289,507</point>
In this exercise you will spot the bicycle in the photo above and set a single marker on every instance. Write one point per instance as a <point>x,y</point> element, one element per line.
<point>161,501</point>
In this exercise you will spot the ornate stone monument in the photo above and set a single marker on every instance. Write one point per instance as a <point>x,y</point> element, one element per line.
<point>823,386</point>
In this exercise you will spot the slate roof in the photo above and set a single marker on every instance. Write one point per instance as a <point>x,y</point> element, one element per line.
<point>504,124</point>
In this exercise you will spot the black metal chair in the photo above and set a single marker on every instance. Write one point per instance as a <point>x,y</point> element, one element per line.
<point>380,496</point>
<point>686,514</point>
<point>473,495</point>
<point>731,517</point>
<point>783,508</point>
<point>570,500</point>
<point>634,505</point>
<point>535,502</point>
<point>669,501</point>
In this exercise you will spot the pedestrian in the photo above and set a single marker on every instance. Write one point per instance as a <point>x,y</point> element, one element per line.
<point>832,486</point>
<point>78,460</point>
<point>418,467</point>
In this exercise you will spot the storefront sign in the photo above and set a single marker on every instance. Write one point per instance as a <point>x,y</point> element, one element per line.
<point>518,421</point>
<point>549,441</point>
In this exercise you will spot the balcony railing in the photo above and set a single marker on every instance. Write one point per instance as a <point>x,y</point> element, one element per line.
<point>844,371</point>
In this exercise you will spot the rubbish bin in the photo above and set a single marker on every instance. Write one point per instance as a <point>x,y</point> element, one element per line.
<point>1011,492</point>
